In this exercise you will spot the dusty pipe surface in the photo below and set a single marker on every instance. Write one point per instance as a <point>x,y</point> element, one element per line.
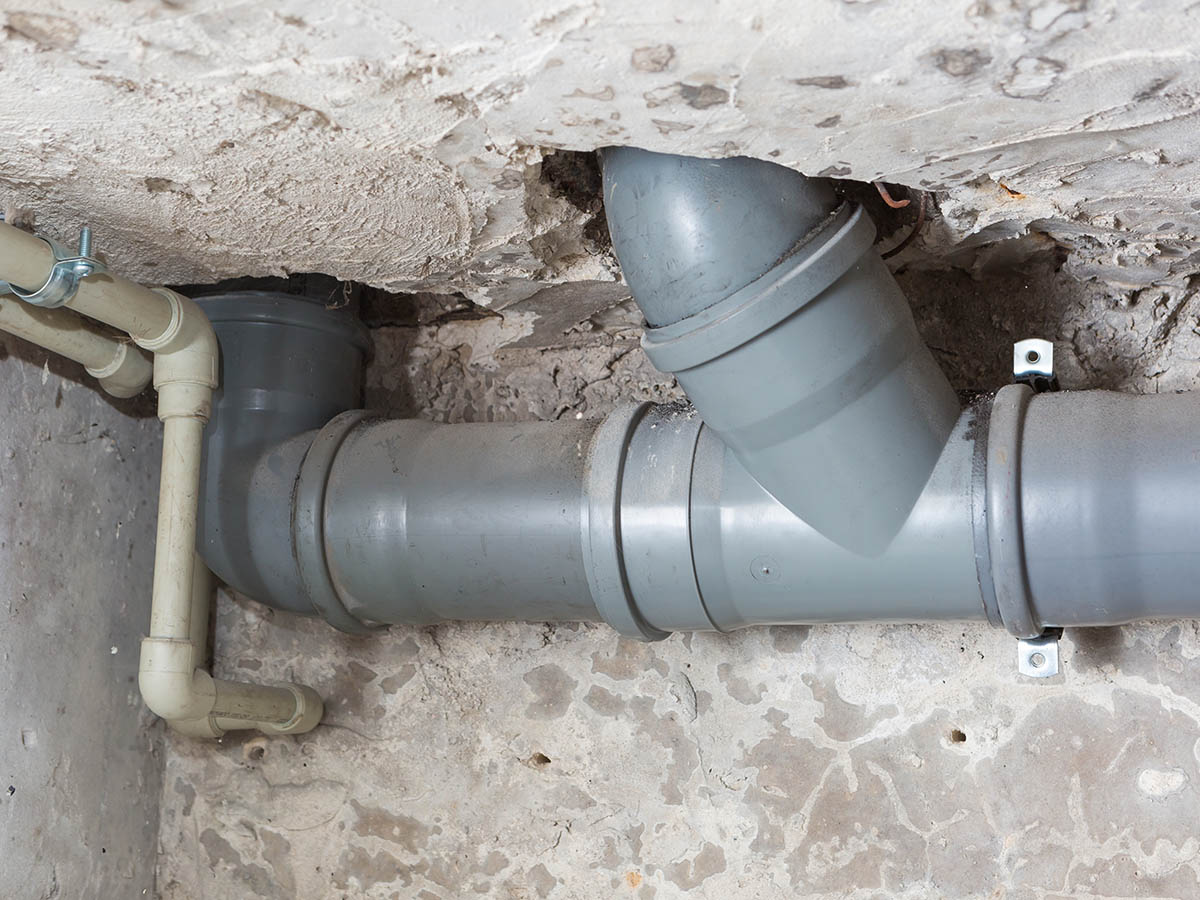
<point>420,523</point>
<point>769,304</point>
<point>648,521</point>
<point>121,368</point>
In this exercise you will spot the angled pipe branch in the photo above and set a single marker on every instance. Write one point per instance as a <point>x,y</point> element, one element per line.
<point>767,301</point>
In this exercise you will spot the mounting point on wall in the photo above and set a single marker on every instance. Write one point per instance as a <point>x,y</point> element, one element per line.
<point>1033,364</point>
<point>1038,657</point>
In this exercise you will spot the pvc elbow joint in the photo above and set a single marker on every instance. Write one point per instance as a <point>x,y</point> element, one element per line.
<point>127,375</point>
<point>186,360</point>
<point>791,338</point>
<point>170,686</point>
<point>196,704</point>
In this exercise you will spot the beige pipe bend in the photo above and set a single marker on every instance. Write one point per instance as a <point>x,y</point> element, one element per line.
<point>122,369</point>
<point>172,677</point>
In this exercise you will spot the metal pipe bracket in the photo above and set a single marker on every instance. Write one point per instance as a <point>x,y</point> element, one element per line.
<point>70,267</point>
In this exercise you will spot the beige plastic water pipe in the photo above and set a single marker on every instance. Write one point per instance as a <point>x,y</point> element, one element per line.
<point>122,369</point>
<point>171,676</point>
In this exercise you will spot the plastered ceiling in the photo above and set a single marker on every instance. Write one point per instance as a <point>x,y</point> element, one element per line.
<point>399,144</point>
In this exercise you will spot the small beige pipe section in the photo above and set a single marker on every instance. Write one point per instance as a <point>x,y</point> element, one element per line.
<point>285,709</point>
<point>174,548</point>
<point>123,369</point>
<point>26,260</point>
<point>171,675</point>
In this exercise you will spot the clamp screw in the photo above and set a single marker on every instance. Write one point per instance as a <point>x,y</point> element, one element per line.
<point>66,273</point>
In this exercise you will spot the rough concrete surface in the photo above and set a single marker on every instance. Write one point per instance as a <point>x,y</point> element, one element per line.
<point>535,761</point>
<point>399,144</point>
<point>80,759</point>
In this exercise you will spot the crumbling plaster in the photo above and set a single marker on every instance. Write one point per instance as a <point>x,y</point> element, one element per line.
<point>397,144</point>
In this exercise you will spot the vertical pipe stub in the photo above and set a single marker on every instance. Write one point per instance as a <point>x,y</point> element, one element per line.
<point>767,302</point>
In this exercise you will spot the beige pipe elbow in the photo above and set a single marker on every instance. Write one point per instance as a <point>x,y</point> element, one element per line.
<point>171,674</point>
<point>122,369</point>
<point>176,687</point>
<point>195,703</point>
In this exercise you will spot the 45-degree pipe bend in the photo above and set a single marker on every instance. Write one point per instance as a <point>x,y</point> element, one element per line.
<point>765,299</point>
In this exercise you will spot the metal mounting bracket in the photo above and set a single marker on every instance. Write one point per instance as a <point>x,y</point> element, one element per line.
<point>68,270</point>
<point>1033,364</point>
<point>1037,657</point>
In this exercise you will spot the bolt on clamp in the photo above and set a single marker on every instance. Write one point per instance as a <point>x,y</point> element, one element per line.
<point>68,270</point>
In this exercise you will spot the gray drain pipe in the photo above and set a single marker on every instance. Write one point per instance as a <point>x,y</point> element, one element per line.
<point>1037,512</point>
<point>768,303</point>
<point>1043,510</point>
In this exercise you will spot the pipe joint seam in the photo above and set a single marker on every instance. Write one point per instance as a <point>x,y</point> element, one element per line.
<point>794,282</point>
<point>187,350</point>
<point>126,375</point>
<point>980,413</point>
<point>309,710</point>
<point>308,523</point>
<point>1005,539</point>
<point>604,565</point>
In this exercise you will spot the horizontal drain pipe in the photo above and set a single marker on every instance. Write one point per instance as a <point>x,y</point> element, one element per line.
<point>1042,510</point>
<point>826,473</point>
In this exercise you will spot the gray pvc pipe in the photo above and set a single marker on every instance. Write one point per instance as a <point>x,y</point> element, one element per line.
<point>690,232</point>
<point>1038,511</point>
<point>1108,487</point>
<point>424,523</point>
<point>288,365</point>
<point>1042,510</point>
<point>787,332</point>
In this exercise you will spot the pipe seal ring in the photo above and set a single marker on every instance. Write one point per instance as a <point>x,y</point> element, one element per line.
<point>981,411</point>
<point>308,523</point>
<point>817,261</point>
<point>602,559</point>
<point>1004,531</point>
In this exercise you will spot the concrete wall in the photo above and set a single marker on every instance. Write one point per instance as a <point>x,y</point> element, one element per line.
<point>399,143</point>
<point>80,763</point>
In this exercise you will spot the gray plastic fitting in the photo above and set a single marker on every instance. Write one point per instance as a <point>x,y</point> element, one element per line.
<point>644,520</point>
<point>1104,517</point>
<point>1039,511</point>
<point>789,335</point>
<point>288,365</point>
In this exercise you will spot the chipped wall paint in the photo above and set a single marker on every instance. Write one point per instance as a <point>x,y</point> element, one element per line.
<point>398,144</point>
